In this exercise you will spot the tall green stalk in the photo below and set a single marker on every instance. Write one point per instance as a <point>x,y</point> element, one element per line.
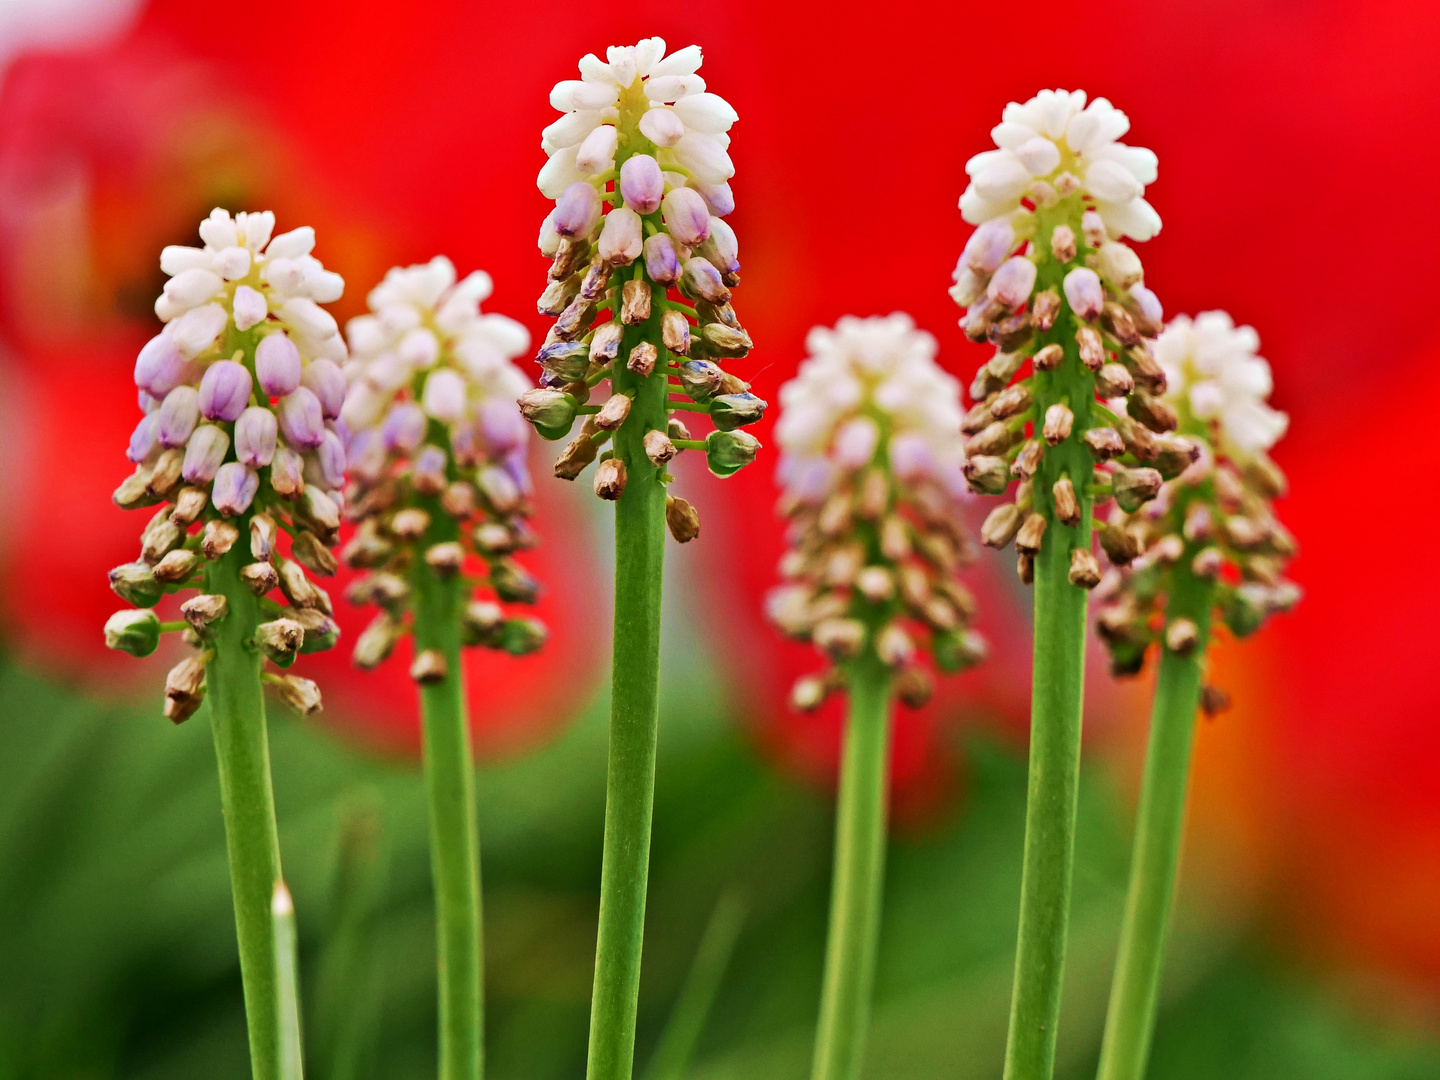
<point>237,717</point>
<point>858,876</point>
<point>634,721</point>
<point>454,835</point>
<point>1130,1022</point>
<point>1056,702</point>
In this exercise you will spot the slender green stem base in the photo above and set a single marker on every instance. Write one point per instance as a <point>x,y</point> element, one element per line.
<point>1159,822</point>
<point>454,833</point>
<point>858,875</point>
<point>237,717</point>
<point>634,724</point>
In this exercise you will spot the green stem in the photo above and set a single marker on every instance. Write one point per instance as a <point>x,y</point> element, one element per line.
<point>1056,703</point>
<point>287,985</point>
<point>634,722</point>
<point>858,875</point>
<point>237,717</point>
<point>454,834</point>
<point>1156,857</point>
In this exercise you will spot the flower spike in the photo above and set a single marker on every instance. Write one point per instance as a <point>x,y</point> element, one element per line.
<point>437,449</point>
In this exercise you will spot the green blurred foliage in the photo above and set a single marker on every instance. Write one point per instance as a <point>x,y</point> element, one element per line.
<point>117,954</point>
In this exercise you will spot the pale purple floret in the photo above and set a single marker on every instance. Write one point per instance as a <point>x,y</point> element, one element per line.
<point>144,438</point>
<point>225,391</point>
<point>718,197</point>
<point>277,364</point>
<point>234,489</point>
<point>988,245</point>
<point>578,209</point>
<point>404,427</point>
<point>661,261</point>
<point>179,413</point>
<point>703,280</point>
<point>642,184</point>
<point>1011,285</point>
<point>301,420</point>
<point>721,247</point>
<point>686,216</point>
<point>501,425</point>
<point>160,368</point>
<point>327,382</point>
<point>430,465</point>
<point>255,434</point>
<point>331,458</point>
<point>204,453</point>
<point>1084,292</point>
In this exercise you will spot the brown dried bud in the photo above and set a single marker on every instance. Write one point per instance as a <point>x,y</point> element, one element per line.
<point>839,639</point>
<point>635,302</point>
<point>259,577</point>
<point>613,413</point>
<point>1146,369</point>
<point>1175,454</point>
<point>203,610</point>
<point>429,667</point>
<point>642,359</point>
<point>1207,563</point>
<point>1084,570</point>
<point>1067,506</point>
<point>1092,349</point>
<point>835,514</point>
<point>605,345</point>
<point>1213,700</point>
<point>189,504</point>
<point>675,331</point>
<point>166,473</point>
<point>280,639</point>
<point>610,479</point>
<point>987,475</point>
<point>1138,439</point>
<point>302,695</point>
<point>389,590</point>
<point>161,536</point>
<point>994,440</point>
<point>659,448</point>
<point>1011,402</point>
<point>1059,421</point>
<point>895,538</point>
<point>894,646</point>
<point>1001,525</point>
<point>875,583</point>
<point>184,689</point>
<point>1044,307</point>
<point>682,519</point>
<point>176,567</point>
<point>445,559</point>
<point>1011,332</point>
<point>1118,321</point>
<point>132,491</point>
<point>410,524</point>
<point>575,319</point>
<point>459,499</point>
<point>843,564</point>
<point>1048,358</point>
<point>809,693</point>
<point>1157,415</point>
<point>312,554</point>
<point>573,253</point>
<point>1104,443</point>
<point>1133,488</point>
<point>1027,462</point>
<point>1267,477</point>
<point>377,640</point>
<point>596,280</point>
<point>1062,243</point>
<point>977,419</point>
<point>1032,531</point>
<point>914,687</point>
<point>578,453</point>
<point>1167,551</point>
<point>1025,569</point>
<point>1181,637</point>
<point>296,586</point>
<point>1113,380</point>
<point>1122,545</point>
<point>218,537</point>
<point>1244,533</point>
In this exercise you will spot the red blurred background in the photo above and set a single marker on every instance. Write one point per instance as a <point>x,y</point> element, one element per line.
<point>1290,139</point>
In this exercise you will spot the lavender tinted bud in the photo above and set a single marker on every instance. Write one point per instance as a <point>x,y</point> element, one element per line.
<point>623,237</point>
<point>987,475</point>
<point>1062,244</point>
<point>177,567</point>
<point>988,245</point>
<point>404,427</point>
<point>255,434</point>
<point>662,262</point>
<point>234,489</point>
<point>331,459</point>
<point>682,519</point>
<point>722,247</point>
<point>135,583</point>
<point>144,439</point>
<point>301,420</point>
<point>160,368</point>
<point>327,382</point>
<point>1031,535</point>
<point>280,640</point>
<point>731,411</point>
<point>610,479</point>
<point>578,210</point>
<point>1084,293</point>
<point>1149,312</point>
<point>1011,285</point>
<point>1133,488</point>
<point>1093,226</point>
<point>224,391</point>
<point>204,453</point>
<point>259,577</point>
<point>133,632</point>
<point>634,303</point>
<point>686,216</point>
<point>178,415</point>
<point>499,489</point>
<point>428,473</point>
<point>277,364</point>
<point>204,610</point>
<point>642,184</point>
<point>1207,563</point>
<point>658,448</point>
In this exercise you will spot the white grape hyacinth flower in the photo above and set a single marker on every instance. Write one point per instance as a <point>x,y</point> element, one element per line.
<point>687,124</point>
<point>861,372</point>
<point>1213,369</point>
<point>1054,145</point>
<point>426,343</point>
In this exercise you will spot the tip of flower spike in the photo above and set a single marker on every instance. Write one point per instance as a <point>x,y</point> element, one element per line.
<point>282,906</point>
